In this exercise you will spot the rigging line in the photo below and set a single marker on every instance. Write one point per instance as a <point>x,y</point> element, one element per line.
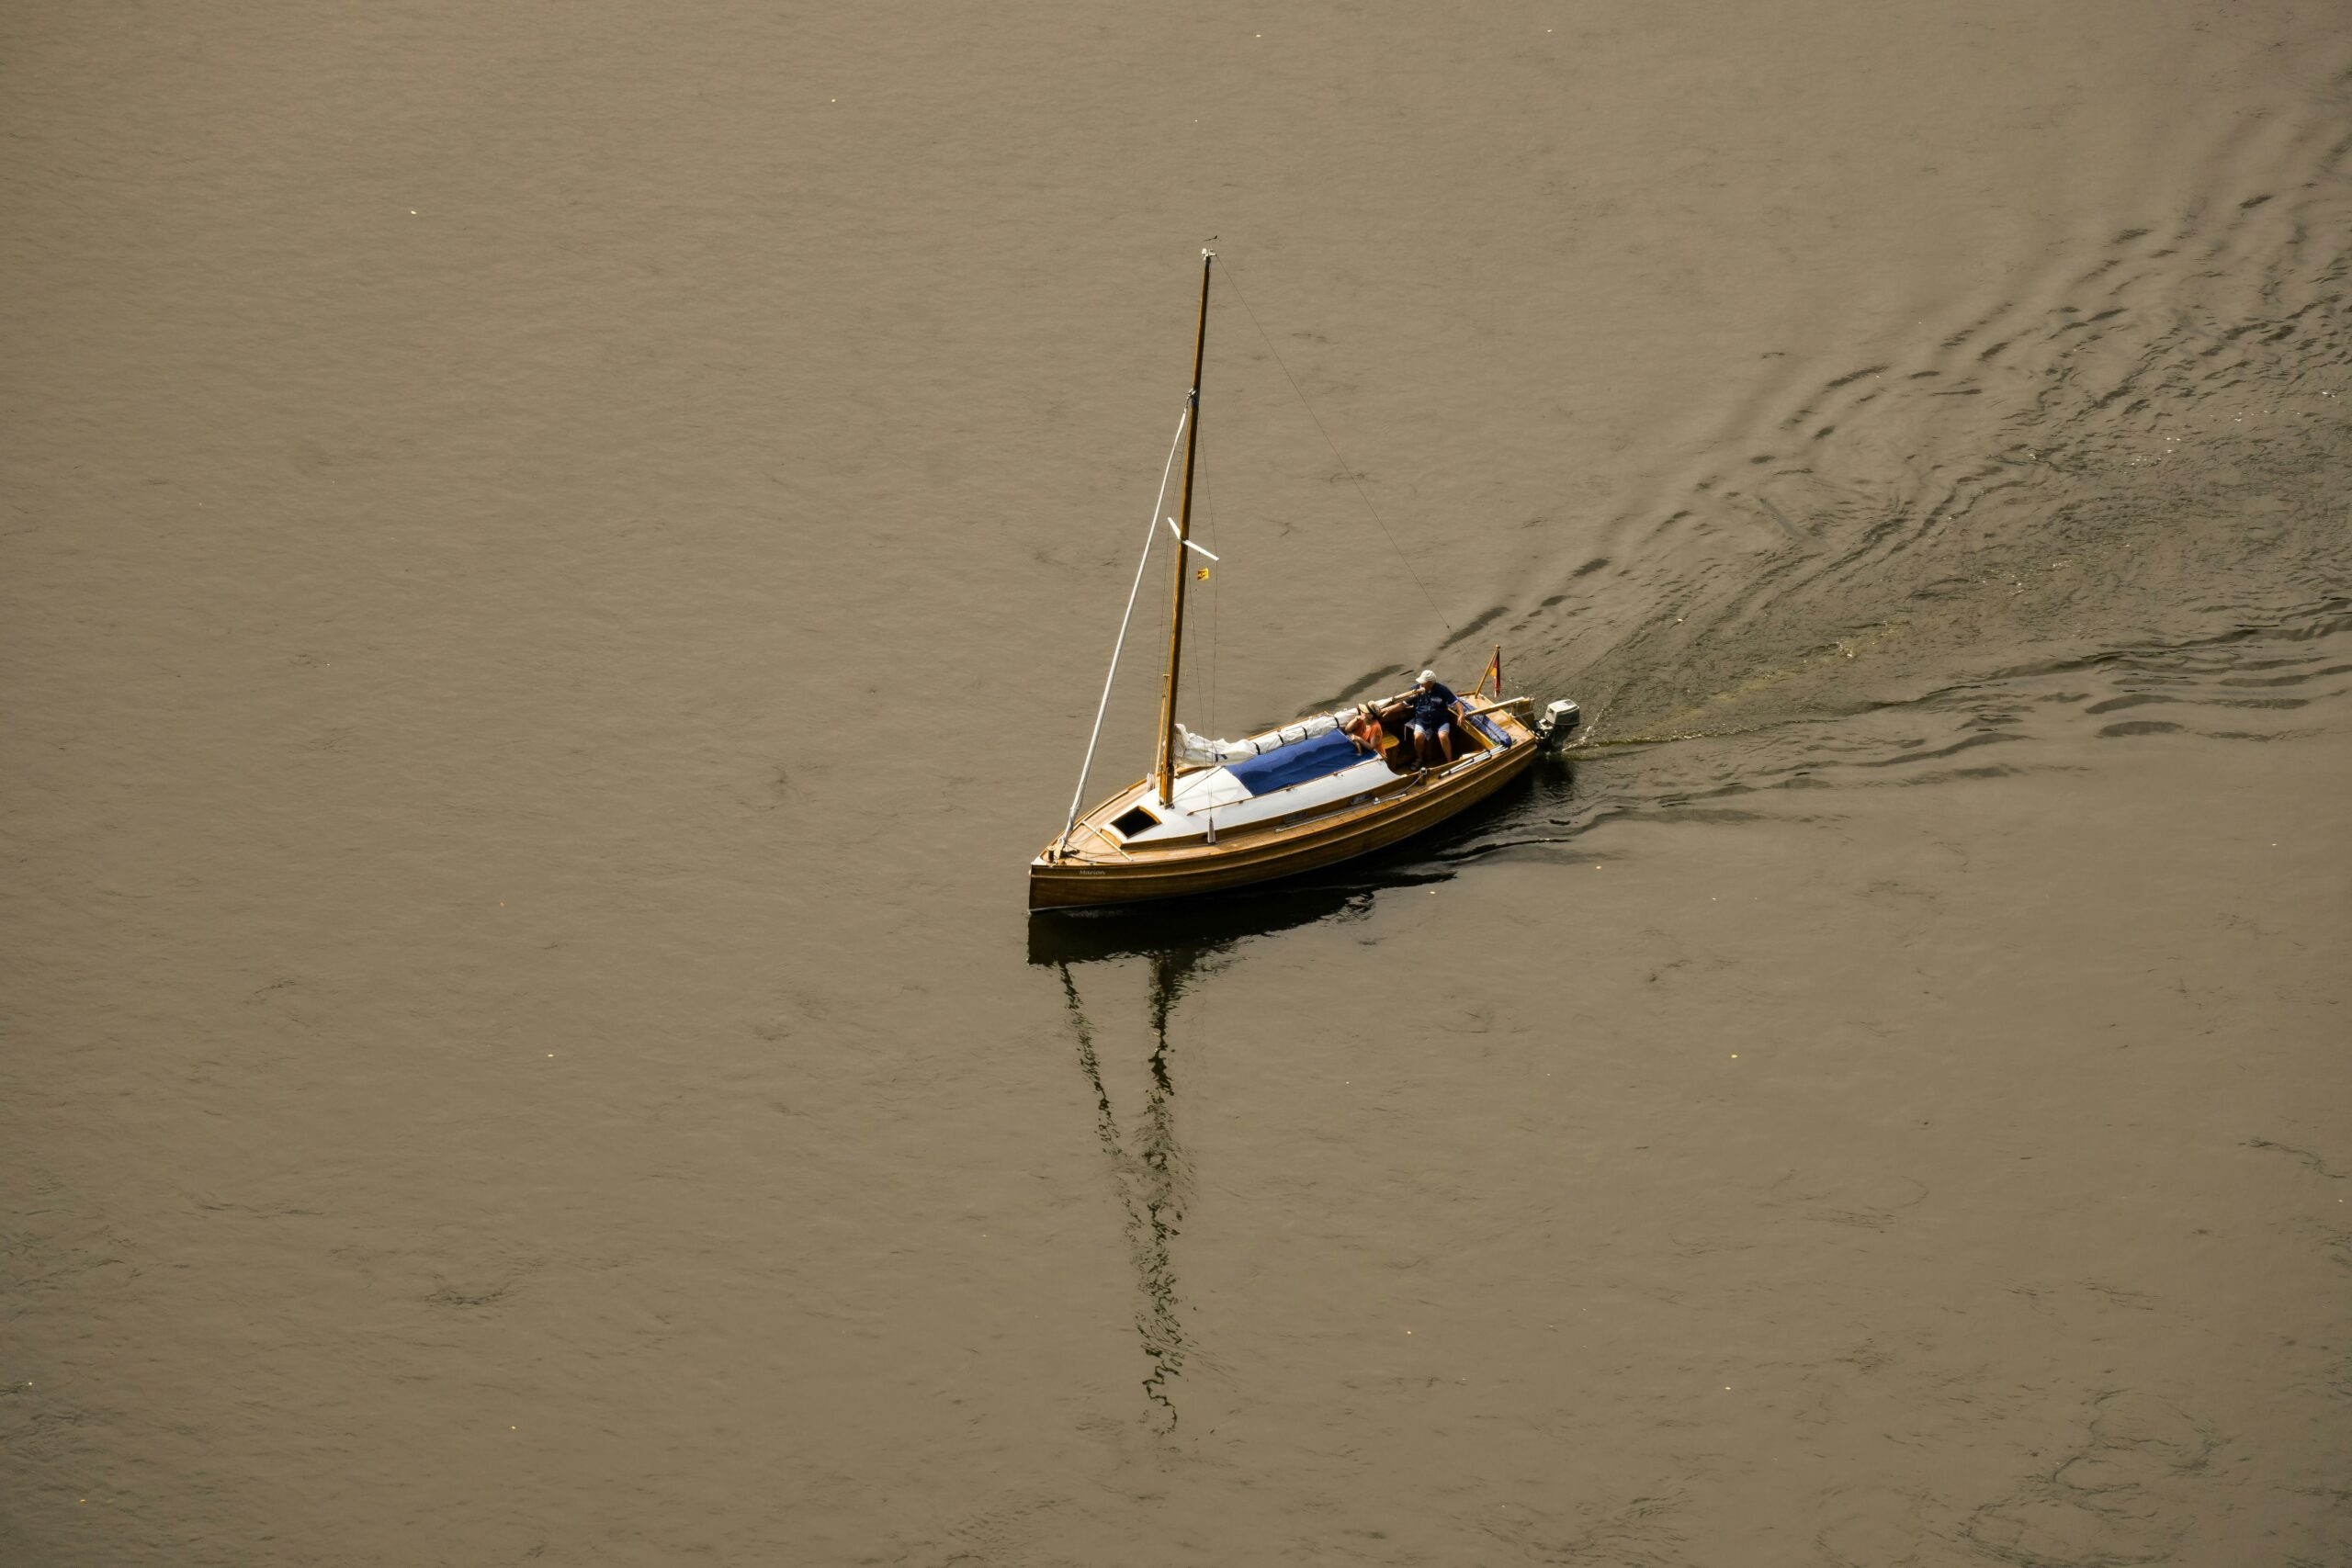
<point>1234,284</point>
<point>1152,533</point>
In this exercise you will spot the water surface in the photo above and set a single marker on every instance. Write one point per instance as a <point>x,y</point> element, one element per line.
<point>558,568</point>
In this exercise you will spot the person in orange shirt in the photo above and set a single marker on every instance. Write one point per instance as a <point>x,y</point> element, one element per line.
<point>1363,728</point>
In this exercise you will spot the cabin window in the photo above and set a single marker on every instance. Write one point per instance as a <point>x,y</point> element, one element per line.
<point>1133,822</point>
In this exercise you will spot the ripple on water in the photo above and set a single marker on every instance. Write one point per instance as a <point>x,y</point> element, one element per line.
<point>2133,439</point>
<point>2041,715</point>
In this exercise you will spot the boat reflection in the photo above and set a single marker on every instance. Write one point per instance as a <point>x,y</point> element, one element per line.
<point>1180,936</point>
<point>1180,944</point>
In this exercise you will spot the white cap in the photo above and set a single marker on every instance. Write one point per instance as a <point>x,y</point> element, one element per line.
<point>1427,677</point>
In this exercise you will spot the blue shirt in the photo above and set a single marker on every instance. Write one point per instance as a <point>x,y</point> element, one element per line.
<point>1432,704</point>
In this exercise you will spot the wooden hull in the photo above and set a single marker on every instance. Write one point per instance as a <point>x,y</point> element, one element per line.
<point>1103,876</point>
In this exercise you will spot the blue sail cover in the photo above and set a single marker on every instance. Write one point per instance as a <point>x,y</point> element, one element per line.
<point>1492,730</point>
<point>1315,758</point>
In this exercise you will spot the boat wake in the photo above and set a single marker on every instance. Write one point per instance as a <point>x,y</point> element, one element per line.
<point>2119,473</point>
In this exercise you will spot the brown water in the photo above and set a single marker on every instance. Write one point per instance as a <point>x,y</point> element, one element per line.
<point>558,562</point>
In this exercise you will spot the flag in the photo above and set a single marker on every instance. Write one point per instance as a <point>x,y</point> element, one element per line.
<point>1494,672</point>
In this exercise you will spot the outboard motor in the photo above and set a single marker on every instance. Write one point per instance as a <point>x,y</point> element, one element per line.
<point>1560,719</point>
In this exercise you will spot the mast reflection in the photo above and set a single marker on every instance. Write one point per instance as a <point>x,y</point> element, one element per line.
<point>1179,946</point>
<point>1180,943</point>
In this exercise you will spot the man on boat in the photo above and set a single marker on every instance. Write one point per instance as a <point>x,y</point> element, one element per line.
<point>1432,727</point>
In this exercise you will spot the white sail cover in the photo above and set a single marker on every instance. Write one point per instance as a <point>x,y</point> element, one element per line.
<point>1192,748</point>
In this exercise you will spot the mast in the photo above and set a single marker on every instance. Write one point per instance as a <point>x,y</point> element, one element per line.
<point>1167,769</point>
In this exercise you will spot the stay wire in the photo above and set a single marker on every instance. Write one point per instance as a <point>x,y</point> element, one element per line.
<point>1235,284</point>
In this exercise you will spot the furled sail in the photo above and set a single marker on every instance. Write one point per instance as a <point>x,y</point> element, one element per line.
<point>1206,752</point>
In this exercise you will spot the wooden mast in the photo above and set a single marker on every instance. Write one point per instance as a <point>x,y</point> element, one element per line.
<point>1167,769</point>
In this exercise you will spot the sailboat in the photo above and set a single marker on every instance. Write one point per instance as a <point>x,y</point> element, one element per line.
<point>1215,815</point>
